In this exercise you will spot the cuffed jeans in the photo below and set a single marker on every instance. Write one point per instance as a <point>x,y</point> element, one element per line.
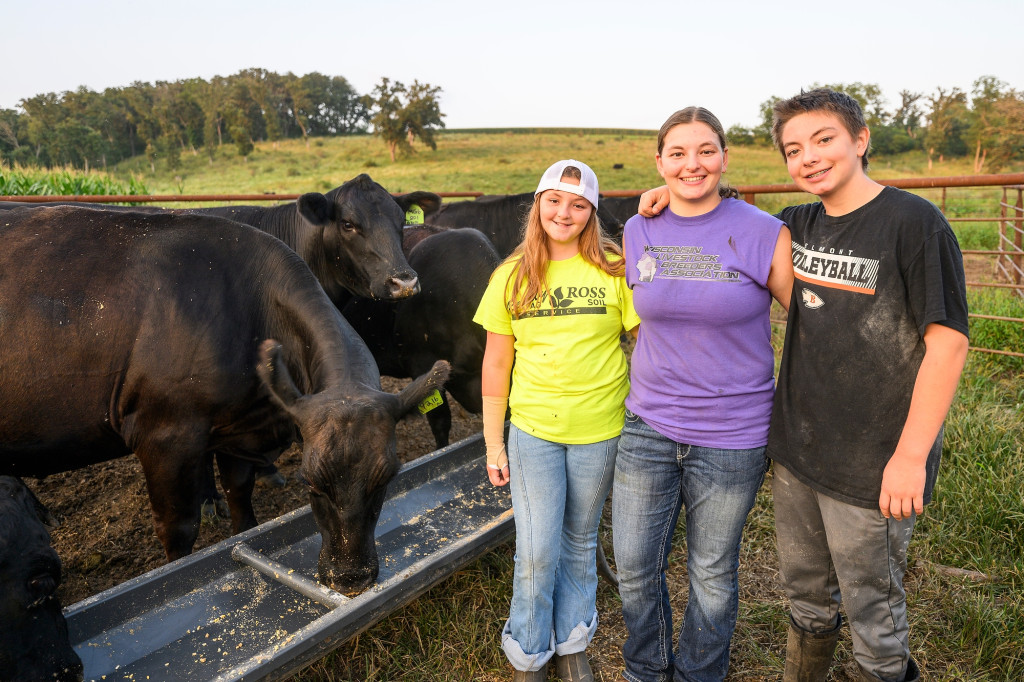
<point>830,551</point>
<point>558,493</point>
<point>654,478</point>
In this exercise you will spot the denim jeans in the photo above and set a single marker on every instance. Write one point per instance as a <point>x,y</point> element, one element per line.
<point>558,493</point>
<point>654,478</point>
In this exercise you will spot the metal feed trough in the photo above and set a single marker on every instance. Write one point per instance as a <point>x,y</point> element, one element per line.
<point>250,608</point>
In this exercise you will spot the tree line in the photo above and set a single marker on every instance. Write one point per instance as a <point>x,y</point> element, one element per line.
<point>86,129</point>
<point>988,124</point>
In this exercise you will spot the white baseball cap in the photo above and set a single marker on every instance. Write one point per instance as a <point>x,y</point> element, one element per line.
<point>552,179</point>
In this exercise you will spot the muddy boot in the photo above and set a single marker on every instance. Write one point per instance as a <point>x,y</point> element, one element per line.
<point>530,676</point>
<point>809,654</point>
<point>573,668</point>
<point>913,673</point>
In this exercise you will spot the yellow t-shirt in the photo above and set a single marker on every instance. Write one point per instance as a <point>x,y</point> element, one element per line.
<point>569,380</point>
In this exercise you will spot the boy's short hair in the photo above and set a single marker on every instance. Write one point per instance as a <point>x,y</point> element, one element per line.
<point>841,105</point>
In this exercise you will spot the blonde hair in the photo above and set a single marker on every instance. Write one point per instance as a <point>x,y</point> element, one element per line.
<point>531,257</point>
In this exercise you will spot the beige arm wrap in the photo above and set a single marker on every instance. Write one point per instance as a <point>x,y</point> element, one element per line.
<point>494,430</point>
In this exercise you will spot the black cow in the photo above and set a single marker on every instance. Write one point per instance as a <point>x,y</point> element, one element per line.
<point>154,334</point>
<point>436,324</point>
<point>33,634</point>
<point>351,237</point>
<point>501,217</point>
<point>623,208</point>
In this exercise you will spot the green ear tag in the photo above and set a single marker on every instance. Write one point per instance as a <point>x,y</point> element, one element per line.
<point>430,402</point>
<point>414,216</point>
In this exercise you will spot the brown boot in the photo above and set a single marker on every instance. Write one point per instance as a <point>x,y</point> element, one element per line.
<point>573,668</point>
<point>530,675</point>
<point>809,654</point>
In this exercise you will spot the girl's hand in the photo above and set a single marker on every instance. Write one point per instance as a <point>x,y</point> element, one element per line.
<point>499,477</point>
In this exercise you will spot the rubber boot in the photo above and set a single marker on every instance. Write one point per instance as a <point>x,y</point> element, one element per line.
<point>573,668</point>
<point>809,654</point>
<point>913,673</point>
<point>530,676</point>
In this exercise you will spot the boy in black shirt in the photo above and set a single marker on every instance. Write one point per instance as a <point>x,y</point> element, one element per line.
<point>875,344</point>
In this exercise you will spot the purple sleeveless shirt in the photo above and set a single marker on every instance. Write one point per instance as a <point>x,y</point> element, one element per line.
<point>702,369</point>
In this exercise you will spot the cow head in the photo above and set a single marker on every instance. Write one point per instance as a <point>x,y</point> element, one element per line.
<point>359,228</point>
<point>348,458</point>
<point>34,641</point>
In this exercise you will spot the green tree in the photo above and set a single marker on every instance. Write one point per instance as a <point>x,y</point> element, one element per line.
<point>422,113</point>
<point>763,131</point>
<point>13,147</point>
<point>43,113</point>
<point>243,116</point>
<point>996,123</point>
<point>332,106</point>
<point>399,115</point>
<point>947,124</point>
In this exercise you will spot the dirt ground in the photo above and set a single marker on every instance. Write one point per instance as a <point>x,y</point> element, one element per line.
<point>106,534</point>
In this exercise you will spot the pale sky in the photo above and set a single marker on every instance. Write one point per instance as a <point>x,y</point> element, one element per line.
<point>596,63</point>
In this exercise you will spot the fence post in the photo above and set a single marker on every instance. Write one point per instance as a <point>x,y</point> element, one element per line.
<point>1018,237</point>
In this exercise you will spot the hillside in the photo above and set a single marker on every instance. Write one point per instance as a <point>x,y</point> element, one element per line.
<point>501,162</point>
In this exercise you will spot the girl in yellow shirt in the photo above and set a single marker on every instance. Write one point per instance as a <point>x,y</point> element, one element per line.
<point>554,312</point>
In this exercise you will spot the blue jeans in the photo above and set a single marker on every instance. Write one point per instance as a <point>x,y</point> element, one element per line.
<point>654,478</point>
<point>558,493</point>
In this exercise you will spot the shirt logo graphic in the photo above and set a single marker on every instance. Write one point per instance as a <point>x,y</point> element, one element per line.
<point>810,299</point>
<point>647,266</point>
<point>835,270</point>
<point>682,262</point>
<point>568,300</point>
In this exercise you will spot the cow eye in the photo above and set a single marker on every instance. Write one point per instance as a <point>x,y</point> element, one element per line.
<point>41,589</point>
<point>349,227</point>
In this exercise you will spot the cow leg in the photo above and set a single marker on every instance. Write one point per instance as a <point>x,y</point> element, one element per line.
<point>213,504</point>
<point>440,420</point>
<point>238,477</point>
<point>173,476</point>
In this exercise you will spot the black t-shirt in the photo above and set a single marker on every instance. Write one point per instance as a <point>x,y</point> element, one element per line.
<point>867,284</point>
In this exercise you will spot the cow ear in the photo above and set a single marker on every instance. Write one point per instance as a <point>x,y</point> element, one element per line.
<point>275,376</point>
<point>316,208</point>
<point>428,201</point>
<point>44,515</point>
<point>421,387</point>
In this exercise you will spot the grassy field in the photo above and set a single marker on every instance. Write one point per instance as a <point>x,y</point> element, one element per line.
<point>966,577</point>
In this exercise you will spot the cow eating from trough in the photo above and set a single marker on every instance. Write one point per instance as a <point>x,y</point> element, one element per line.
<point>34,641</point>
<point>173,336</point>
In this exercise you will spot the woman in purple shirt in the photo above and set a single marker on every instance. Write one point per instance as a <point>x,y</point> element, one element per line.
<point>703,275</point>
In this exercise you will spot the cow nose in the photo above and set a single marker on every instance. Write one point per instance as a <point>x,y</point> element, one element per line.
<point>403,287</point>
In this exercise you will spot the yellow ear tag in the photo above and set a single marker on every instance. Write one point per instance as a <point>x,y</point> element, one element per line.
<point>414,216</point>
<point>430,402</point>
